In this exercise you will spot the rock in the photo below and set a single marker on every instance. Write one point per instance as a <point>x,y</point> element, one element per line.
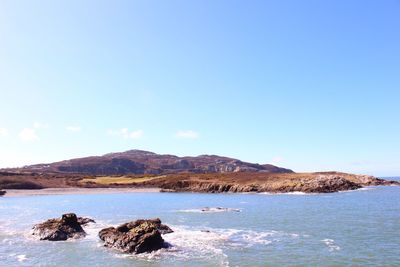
<point>373,181</point>
<point>328,184</point>
<point>136,237</point>
<point>68,226</point>
<point>84,221</point>
<point>206,186</point>
<point>219,209</point>
<point>2,193</point>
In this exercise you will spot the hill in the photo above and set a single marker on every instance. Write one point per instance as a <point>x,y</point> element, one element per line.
<point>145,162</point>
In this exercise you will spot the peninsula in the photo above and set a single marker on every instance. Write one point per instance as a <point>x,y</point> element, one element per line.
<point>205,173</point>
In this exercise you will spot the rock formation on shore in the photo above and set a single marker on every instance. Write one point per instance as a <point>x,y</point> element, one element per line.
<point>2,192</point>
<point>328,185</point>
<point>60,229</point>
<point>328,182</point>
<point>136,237</point>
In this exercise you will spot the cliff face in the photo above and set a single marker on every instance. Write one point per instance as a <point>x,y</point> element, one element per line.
<point>144,162</point>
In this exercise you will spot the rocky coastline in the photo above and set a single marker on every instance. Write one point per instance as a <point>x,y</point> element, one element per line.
<point>285,183</point>
<point>236,182</point>
<point>205,173</point>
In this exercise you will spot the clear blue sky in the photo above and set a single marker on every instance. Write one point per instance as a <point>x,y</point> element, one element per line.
<point>308,85</point>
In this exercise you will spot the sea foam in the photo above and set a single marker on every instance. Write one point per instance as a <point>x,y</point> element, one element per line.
<point>330,243</point>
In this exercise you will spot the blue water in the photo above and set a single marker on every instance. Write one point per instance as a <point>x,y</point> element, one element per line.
<point>358,228</point>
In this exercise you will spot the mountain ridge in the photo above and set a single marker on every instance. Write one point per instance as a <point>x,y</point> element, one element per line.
<point>146,162</point>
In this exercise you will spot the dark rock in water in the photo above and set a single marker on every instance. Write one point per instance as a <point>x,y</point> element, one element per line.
<point>219,209</point>
<point>136,237</point>
<point>2,193</point>
<point>68,226</point>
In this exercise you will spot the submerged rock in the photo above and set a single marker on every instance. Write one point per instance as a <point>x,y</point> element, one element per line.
<point>219,209</point>
<point>136,237</point>
<point>68,226</point>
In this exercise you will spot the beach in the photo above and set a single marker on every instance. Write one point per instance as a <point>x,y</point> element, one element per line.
<point>76,191</point>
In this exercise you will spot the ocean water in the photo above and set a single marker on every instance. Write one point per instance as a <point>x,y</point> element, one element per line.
<point>358,228</point>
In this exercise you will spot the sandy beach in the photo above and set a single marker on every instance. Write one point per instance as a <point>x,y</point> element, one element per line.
<point>76,191</point>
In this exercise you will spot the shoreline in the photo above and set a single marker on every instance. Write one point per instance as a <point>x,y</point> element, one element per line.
<point>76,191</point>
<point>113,190</point>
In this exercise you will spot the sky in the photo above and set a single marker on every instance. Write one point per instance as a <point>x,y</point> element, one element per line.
<point>308,85</point>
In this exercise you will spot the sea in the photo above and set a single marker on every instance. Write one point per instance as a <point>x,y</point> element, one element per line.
<point>352,228</point>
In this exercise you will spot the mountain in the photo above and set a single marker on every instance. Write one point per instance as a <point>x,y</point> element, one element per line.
<point>145,162</point>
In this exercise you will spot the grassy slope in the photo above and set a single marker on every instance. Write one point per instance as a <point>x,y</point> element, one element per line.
<point>117,180</point>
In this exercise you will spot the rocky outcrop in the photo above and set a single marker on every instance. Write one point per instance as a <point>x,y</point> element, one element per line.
<point>136,237</point>
<point>207,187</point>
<point>326,184</point>
<point>373,181</point>
<point>60,229</point>
<point>312,183</point>
<point>2,192</point>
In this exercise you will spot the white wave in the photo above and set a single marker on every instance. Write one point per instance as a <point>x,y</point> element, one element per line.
<point>211,210</point>
<point>210,239</point>
<point>295,193</point>
<point>299,193</point>
<point>8,234</point>
<point>21,258</point>
<point>367,188</point>
<point>92,229</point>
<point>191,244</point>
<point>209,243</point>
<point>330,243</point>
<point>7,241</point>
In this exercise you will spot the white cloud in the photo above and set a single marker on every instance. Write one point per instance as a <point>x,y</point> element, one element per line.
<point>3,132</point>
<point>73,129</point>
<point>28,135</point>
<point>187,134</point>
<point>125,133</point>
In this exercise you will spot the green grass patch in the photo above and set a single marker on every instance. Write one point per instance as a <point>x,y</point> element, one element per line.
<point>107,180</point>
